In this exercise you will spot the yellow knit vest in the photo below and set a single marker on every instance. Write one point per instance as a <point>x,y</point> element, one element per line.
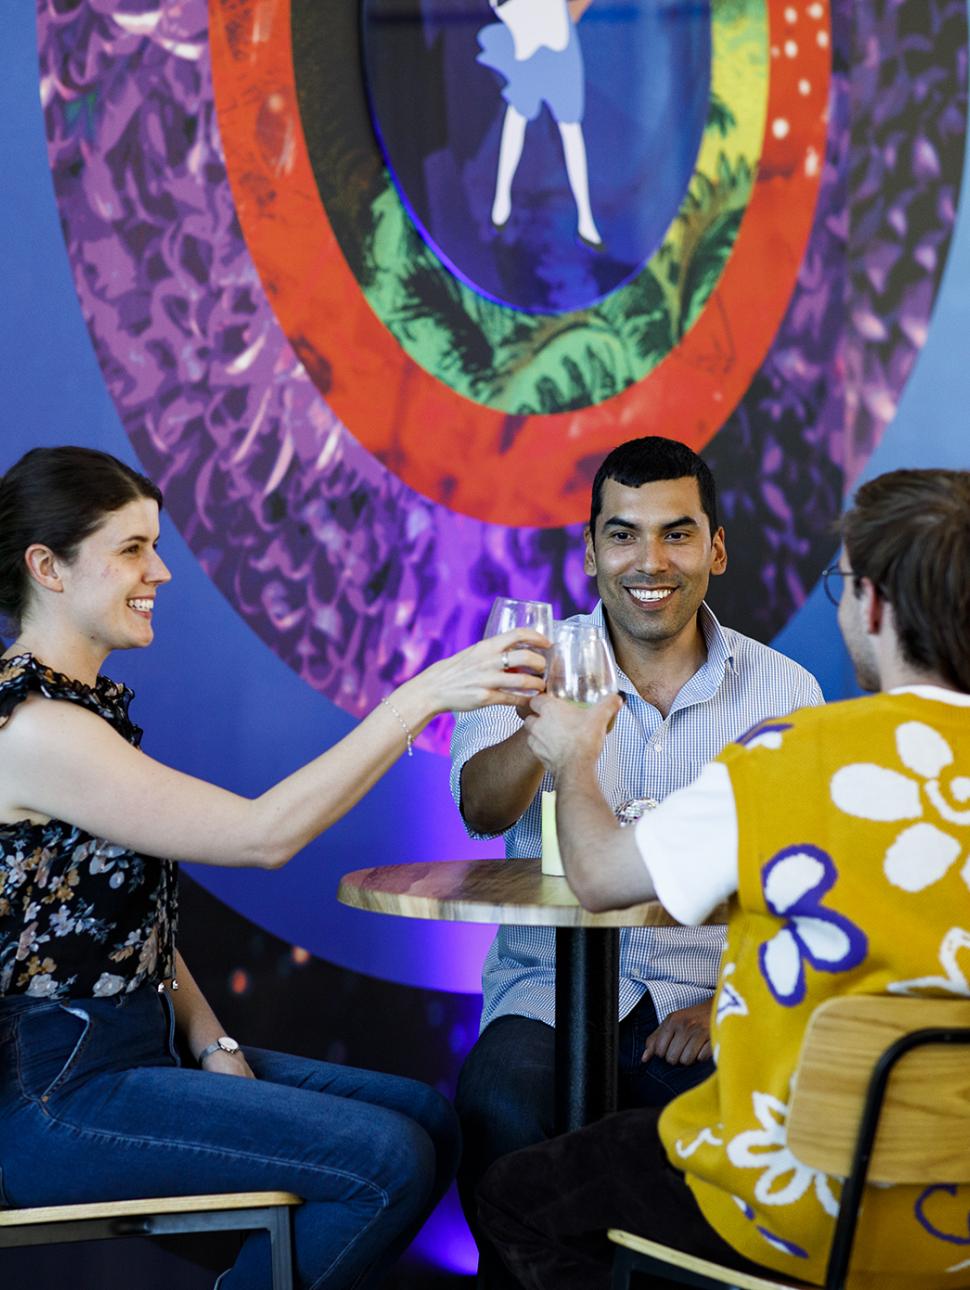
<point>854,878</point>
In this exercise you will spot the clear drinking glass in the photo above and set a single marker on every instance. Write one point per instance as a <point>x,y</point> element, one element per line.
<point>507,613</point>
<point>580,664</point>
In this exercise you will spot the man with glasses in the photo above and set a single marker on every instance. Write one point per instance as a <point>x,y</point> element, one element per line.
<point>841,836</point>
<point>689,687</point>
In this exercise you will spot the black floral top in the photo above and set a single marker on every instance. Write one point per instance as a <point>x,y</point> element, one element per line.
<point>79,916</point>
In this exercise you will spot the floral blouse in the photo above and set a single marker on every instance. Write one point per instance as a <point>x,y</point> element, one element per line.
<point>79,916</point>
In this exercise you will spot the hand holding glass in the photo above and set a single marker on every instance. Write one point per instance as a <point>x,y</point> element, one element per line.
<point>507,614</point>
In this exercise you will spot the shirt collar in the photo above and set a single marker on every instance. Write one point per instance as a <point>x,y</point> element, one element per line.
<point>719,651</point>
<point>720,655</point>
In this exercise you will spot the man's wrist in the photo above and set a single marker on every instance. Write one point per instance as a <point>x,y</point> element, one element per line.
<point>576,770</point>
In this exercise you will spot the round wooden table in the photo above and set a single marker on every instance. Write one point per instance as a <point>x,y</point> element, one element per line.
<point>587,953</point>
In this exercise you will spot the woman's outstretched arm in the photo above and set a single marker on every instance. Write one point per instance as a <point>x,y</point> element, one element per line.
<point>62,761</point>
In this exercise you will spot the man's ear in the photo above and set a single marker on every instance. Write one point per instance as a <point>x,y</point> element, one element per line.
<point>718,553</point>
<point>42,565</point>
<point>589,557</point>
<point>873,606</point>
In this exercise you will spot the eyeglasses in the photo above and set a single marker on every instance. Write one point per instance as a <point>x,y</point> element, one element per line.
<point>834,589</point>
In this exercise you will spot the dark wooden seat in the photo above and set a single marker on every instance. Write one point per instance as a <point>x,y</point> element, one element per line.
<point>162,1216</point>
<point>881,1095</point>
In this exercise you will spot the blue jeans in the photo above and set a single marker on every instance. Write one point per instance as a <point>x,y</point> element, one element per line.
<point>94,1105</point>
<point>505,1101</point>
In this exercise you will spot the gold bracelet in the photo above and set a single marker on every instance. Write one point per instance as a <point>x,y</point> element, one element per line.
<point>404,726</point>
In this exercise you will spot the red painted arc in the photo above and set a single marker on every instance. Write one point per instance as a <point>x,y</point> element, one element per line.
<point>534,470</point>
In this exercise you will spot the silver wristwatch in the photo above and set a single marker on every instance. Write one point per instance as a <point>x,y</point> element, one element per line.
<point>222,1044</point>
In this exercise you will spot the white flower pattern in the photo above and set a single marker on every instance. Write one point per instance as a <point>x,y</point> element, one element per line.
<point>108,984</point>
<point>921,853</point>
<point>42,985</point>
<point>686,1149</point>
<point>954,980</point>
<point>784,1179</point>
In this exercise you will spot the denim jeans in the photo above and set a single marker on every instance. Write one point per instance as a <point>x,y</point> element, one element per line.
<point>94,1105</point>
<point>505,1101</point>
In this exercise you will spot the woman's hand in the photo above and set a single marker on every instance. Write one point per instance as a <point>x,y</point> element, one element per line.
<point>486,673</point>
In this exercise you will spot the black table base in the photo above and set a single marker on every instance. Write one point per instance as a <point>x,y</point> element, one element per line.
<point>587,1028</point>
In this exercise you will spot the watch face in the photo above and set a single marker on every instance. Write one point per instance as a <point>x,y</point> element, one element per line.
<point>228,1045</point>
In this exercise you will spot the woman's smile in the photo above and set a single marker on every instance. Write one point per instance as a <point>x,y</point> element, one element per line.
<point>142,606</point>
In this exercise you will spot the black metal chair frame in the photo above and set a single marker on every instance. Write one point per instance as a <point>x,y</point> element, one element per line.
<point>627,1261</point>
<point>275,1219</point>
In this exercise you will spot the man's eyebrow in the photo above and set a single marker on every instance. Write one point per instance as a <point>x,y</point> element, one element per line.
<point>618,522</point>
<point>682,522</point>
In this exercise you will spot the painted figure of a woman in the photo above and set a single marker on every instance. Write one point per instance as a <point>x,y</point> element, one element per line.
<point>536,48</point>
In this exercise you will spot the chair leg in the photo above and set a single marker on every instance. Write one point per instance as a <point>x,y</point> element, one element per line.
<point>281,1247</point>
<point>622,1264</point>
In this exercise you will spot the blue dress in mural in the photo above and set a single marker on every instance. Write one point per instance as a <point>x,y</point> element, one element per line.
<point>547,75</point>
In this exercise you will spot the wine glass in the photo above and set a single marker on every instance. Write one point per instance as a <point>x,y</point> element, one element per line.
<point>580,664</point>
<point>507,613</point>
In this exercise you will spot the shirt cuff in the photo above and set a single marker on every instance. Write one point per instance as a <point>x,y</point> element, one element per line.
<point>689,845</point>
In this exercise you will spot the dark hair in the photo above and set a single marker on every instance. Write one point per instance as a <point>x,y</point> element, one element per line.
<point>908,532</point>
<point>644,461</point>
<point>57,497</point>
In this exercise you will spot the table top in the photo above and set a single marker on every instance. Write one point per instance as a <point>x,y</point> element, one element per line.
<point>488,891</point>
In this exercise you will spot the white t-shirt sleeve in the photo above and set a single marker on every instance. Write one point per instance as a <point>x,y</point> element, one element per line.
<point>690,846</point>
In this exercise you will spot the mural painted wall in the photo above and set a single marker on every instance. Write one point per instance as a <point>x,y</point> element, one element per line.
<point>256,247</point>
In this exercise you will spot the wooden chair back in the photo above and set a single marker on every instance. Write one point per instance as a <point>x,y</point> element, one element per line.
<point>924,1130</point>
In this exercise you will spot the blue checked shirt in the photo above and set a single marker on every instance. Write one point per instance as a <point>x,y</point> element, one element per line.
<point>742,682</point>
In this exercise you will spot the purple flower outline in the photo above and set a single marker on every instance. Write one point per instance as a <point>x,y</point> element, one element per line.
<point>950,1189</point>
<point>766,732</point>
<point>794,882</point>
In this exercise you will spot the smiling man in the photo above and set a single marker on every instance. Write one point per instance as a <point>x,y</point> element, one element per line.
<point>689,686</point>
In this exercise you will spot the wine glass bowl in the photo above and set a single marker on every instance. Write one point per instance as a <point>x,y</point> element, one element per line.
<point>507,614</point>
<point>580,664</point>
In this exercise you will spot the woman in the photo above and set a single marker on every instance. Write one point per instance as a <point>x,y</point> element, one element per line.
<point>94,1103</point>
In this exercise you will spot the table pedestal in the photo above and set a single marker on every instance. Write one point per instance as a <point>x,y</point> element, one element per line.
<point>587,1028</point>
